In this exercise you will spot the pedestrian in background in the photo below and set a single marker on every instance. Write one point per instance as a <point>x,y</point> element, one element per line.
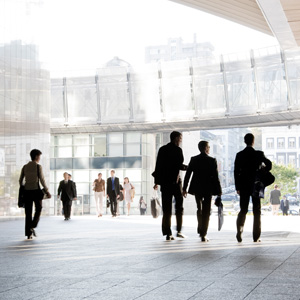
<point>113,192</point>
<point>127,187</point>
<point>67,193</point>
<point>143,205</point>
<point>285,206</point>
<point>33,175</point>
<point>275,199</point>
<point>99,189</point>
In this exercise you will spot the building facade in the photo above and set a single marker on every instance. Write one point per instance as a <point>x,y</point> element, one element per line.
<point>176,49</point>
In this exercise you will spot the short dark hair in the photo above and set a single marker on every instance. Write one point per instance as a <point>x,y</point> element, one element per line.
<point>174,135</point>
<point>99,174</point>
<point>70,174</point>
<point>249,139</point>
<point>202,145</point>
<point>34,153</point>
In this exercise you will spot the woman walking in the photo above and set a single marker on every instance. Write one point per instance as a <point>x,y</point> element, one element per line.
<point>128,192</point>
<point>99,189</point>
<point>33,175</point>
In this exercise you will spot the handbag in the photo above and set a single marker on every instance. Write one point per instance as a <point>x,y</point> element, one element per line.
<point>41,192</point>
<point>107,203</point>
<point>132,192</point>
<point>21,197</point>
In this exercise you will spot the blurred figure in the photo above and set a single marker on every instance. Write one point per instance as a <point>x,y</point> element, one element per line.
<point>33,175</point>
<point>113,192</point>
<point>204,184</point>
<point>246,164</point>
<point>99,189</point>
<point>70,178</point>
<point>275,200</point>
<point>143,206</point>
<point>169,162</point>
<point>121,198</point>
<point>67,193</point>
<point>285,206</point>
<point>127,187</point>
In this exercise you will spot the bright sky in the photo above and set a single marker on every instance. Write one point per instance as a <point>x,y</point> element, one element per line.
<point>84,34</point>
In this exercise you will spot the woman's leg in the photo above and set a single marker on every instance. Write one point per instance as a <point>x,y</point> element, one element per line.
<point>97,202</point>
<point>101,196</point>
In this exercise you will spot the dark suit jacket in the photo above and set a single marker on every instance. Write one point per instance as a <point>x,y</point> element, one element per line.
<point>67,191</point>
<point>247,162</point>
<point>205,179</point>
<point>109,189</point>
<point>168,164</point>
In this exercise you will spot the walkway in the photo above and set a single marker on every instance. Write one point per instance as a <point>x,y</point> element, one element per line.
<point>127,258</point>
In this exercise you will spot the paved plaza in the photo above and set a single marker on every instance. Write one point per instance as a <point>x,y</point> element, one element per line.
<point>127,258</point>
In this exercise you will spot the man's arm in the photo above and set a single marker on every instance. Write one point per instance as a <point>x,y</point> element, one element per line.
<point>158,167</point>
<point>21,176</point>
<point>237,170</point>
<point>59,190</point>
<point>216,184</point>
<point>187,177</point>
<point>74,190</point>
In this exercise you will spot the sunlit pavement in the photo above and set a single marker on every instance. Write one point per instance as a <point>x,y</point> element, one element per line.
<point>127,258</point>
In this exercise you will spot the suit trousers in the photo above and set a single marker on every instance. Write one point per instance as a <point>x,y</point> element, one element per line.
<point>169,191</point>
<point>113,204</point>
<point>31,196</point>
<point>67,205</point>
<point>203,213</point>
<point>244,204</point>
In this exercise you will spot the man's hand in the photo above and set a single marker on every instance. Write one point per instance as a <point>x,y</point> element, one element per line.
<point>118,196</point>
<point>48,195</point>
<point>184,194</point>
<point>74,198</point>
<point>238,192</point>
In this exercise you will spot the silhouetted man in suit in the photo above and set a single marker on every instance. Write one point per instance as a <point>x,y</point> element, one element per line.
<point>246,164</point>
<point>204,183</point>
<point>113,192</point>
<point>68,193</point>
<point>168,164</point>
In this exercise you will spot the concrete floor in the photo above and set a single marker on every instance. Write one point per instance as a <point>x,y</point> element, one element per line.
<point>127,258</point>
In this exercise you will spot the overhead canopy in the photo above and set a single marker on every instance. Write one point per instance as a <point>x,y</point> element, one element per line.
<point>280,18</point>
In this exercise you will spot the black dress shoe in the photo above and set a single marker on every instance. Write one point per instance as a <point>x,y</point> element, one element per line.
<point>239,237</point>
<point>204,239</point>
<point>257,241</point>
<point>170,238</point>
<point>180,235</point>
<point>29,237</point>
<point>33,232</point>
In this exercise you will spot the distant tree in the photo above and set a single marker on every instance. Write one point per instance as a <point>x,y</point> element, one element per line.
<point>285,178</point>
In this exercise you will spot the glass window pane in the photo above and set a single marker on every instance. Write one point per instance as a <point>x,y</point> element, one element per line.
<point>81,163</point>
<point>81,140</point>
<point>133,149</point>
<point>115,138</point>
<point>64,151</point>
<point>81,176</point>
<point>133,137</point>
<point>98,163</point>
<point>134,175</point>
<point>115,150</point>
<point>63,140</point>
<point>99,148</point>
<point>83,188</point>
<point>81,151</point>
<point>132,162</point>
<point>63,163</point>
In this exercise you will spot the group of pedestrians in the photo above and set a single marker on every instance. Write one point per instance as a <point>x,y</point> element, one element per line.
<point>201,180</point>
<point>205,183</point>
<point>277,203</point>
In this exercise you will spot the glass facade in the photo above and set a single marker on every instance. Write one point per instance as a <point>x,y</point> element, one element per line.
<point>85,155</point>
<point>24,101</point>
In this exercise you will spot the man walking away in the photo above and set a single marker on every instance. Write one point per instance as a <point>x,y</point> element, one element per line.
<point>168,164</point>
<point>205,183</point>
<point>67,193</point>
<point>113,192</point>
<point>246,164</point>
<point>275,200</point>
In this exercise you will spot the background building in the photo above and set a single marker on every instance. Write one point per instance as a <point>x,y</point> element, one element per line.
<point>176,49</point>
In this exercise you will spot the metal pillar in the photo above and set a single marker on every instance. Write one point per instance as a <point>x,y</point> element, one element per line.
<point>222,68</point>
<point>286,73</point>
<point>129,93</point>
<point>254,68</point>
<point>98,100</point>
<point>192,84</point>
<point>161,102</point>
<point>65,102</point>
